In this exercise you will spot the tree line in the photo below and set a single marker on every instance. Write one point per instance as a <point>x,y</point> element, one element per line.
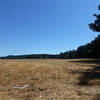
<point>89,50</point>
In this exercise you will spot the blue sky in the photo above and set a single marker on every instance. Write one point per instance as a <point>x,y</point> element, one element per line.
<point>45,26</point>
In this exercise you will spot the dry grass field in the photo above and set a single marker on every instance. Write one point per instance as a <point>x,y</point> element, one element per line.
<point>77,79</point>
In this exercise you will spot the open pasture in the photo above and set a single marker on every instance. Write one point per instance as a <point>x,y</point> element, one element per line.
<point>50,79</point>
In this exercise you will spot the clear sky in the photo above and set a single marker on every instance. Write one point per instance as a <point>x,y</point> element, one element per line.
<point>45,26</point>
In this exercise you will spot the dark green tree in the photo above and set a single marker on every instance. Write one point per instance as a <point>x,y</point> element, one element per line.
<point>95,26</point>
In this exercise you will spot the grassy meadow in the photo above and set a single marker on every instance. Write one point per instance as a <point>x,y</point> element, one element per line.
<point>50,79</point>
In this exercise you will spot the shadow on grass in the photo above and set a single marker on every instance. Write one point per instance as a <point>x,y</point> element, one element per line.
<point>88,61</point>
<point>89,74</point>
<point>96,97</point>
<point>89,77</point>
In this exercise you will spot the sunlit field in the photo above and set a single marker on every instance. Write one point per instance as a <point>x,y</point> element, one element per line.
<point>77,79</point>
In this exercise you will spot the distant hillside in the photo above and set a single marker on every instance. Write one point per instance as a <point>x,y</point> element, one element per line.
<point>90,50</point>
<point>31,56</point>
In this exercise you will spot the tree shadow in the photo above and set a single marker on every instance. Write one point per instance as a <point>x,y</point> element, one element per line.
<point>96,97</point>
<point>89,77</point>
<point>88,61</point>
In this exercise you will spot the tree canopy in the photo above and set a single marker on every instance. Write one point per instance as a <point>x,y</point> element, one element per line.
<point>95,26</point>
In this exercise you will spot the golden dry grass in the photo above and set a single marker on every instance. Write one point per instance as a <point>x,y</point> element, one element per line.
<point>76,79</point>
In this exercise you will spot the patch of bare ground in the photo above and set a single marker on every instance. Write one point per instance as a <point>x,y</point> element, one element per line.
<point>69,79</point>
